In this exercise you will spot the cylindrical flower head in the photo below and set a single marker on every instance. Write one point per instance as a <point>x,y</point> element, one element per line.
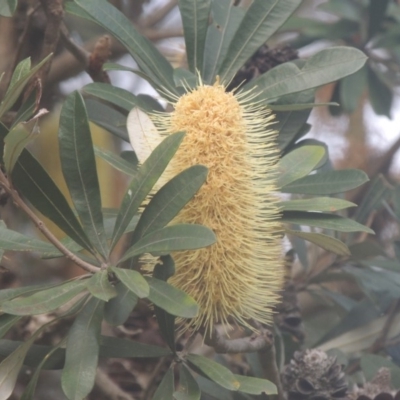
<point>239,277</point>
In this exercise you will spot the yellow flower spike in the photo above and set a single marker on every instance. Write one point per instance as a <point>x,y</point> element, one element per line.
<point>239,277</point>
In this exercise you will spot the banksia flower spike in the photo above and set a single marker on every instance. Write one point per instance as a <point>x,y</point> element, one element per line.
<point>239,277</point>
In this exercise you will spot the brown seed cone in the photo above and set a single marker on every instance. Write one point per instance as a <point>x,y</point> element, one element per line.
<point>313,375</point>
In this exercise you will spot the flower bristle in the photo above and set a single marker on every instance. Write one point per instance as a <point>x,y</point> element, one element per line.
<point>239,277</point>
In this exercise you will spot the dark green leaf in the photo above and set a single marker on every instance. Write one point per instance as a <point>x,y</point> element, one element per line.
<point>225,20</point>
<point>133,280</point>
<point>251,385</point>
<point>380,95</point>
<point>351,89</point>
<point>213,390</point>
<point>112,347</point>
<point>166,321</point>
<point>263,19</point>
<point>115,95</point>
<point>169,200</point>
<point>165,390</point>
<point>188,387</point>
<point>172,238</point>
<point>27,109</point>
<point>195,16</point>
<point>288,126</point>
<point>14,92</point>
<point>116,161</point>
<point>329,182</point>
<point>376,13</point>
<point>82,351</point>
<point>8,294</point>
<point>149,59</point>
<point>372,363</point>
<point>118,309</point>
<point>20,71</point>
<point>107,118</point>
<point>323,220</point>
<point>326,242</point>
<point>45,300</point>
<point>143,182</point>
<point>8,7</point>
<point>171,299</point>
<point>214,371</point>
<point>79,169</point>
<point>316,204</point>
<point>99,286</point>
<point>7,321</point>
<point>299,163</point>
<point>326,66</point>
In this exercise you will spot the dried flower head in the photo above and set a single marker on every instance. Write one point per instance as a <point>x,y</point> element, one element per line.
<point>239,277</point>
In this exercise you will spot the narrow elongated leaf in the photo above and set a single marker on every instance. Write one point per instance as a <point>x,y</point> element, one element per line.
<point>7,321</point>
<point>17,88</point>
<point>380,95</point>
<point>172,238</point>
<point>195,16</point>
<point>262,20</point>
<point>8,294</point>
<point>225,20</point>
<point>171,299</point>
<point>8,7</point>
<point>45,300</point>
<point>82,351</point>
<point>169,200</point>
<point>28,108</point>
<point>124,348</point>
<point>143,182</point>
<point>149,59</point>
<point>329,182</point>
<point>188,387</point>
<point>326,242</point>
<point>133,280</point>
<point>79,169</point>
<point>165,390</point>
<point>20,71</point>
<point>118,309</point>
<point>352,88</point>
<point>214,371</point>
<point>116,161</point>
<point>99,286</point>
<point>115,95</point>
<point>251,385</point>
<point>213,390</point>
<point>326,66</point>
<point>316,204</point>
<point>325,221</point>
<point>299,163</point>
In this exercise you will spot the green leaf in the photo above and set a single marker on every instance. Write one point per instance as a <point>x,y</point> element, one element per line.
<point>195,17</point>
<point>118,309</point>
<point>99,286</point>
<point>28,108</point>
<point>149,59</point>
<point>45,300</point>
<point>166,321</point>
<point>329,182</point>
<point>214,371</point>
<point>115,95</point>
<point>251,385</point>
<point>16,141</point>
<point>213,390</point>
<point>262,20</point>
<point>299,163</point>
<point>169,200</point>
<point>351,89</point>
<point>183,78</point>
<point>372,363</point>
<point>79,169</point>
<point>172,238</point>
<point>8,294</point>
<point>112,347</point>
<point>116,161</point>
<point>380,95</point>
<point>289,125</point>
<point>171,299</point>
<point>133,280</point>
<point>316,204</point>
<point>376,14</point>
<point>188,387</point>
<point>8,7</point>
<point>17,88</point>
<point>143,182</point>
<point>165,390</point>
<point>225,20</point>
<point>325,221</point>
<point>20,71</point>
<point>7,321</point>
<point>326,242</point>
<point>326,66</point>
<point>82,351</point>
<point>14,241</point>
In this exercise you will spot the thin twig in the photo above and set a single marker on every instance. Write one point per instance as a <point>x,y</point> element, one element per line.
<point>43,228</point>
